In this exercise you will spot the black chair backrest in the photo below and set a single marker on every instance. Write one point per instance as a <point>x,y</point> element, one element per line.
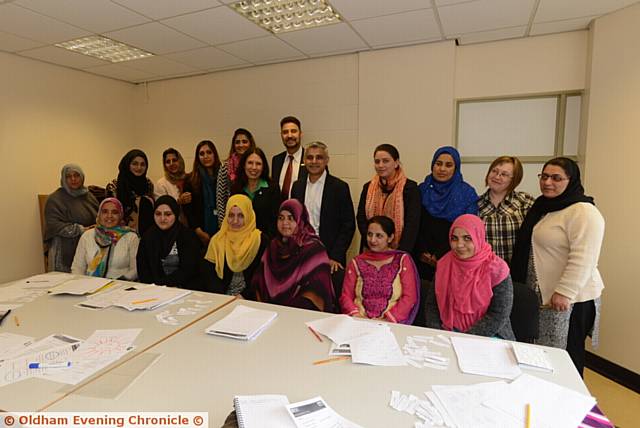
<point>525,313</point>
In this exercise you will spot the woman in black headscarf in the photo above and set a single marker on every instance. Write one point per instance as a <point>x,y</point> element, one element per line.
<point>134,190</point>
<point>169,252</point>
<point>556,254</point>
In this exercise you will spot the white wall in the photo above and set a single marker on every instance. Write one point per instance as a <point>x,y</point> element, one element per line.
<point>612,154</point>
<point>50,116</point>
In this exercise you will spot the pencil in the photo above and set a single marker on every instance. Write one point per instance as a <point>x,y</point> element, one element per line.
<point>330,360</point>
<point>527,422</point>
<point>17,321</point>
<point>138,302</point>
<point>315,334</point>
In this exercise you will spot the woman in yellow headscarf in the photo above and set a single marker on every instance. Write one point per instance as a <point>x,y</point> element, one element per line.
<point>235,250</point>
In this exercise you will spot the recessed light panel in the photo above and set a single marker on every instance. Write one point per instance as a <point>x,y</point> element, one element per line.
<point>104,48</point>
<point>280,16</point>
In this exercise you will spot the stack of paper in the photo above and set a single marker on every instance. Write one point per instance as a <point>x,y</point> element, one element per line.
<point>80,286</point>
<point>243,323</point>
<point>531,357</point>
<point>150,297</point>
<point>485,357</point>
<point>261,411</point>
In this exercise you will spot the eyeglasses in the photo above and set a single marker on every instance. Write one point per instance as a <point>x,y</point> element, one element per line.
<point>501,174</point>
<point>554,177</point>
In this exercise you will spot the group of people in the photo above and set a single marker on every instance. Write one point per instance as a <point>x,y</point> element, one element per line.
<point>434,254</point>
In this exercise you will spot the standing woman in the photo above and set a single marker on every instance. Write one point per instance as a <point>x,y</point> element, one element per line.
<point>109,249</point>
<point>202,211</point>
<point>69,211</point>
<point>169,251</point>
<point>241,141</point>
<point>134,190</point>
<point>445,197</point>
<point>501,207</point>
<point>234,252</point>
<point>253,181</point>
<point>295,270</point>
<point>172,183</point>
<point>390,193</point>
<point>556,254</point>
<point>472,291</point>
<point>381,283</point>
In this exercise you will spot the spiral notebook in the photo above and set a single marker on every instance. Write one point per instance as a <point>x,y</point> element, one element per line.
<point>243,323</point>
<point>263,411</point>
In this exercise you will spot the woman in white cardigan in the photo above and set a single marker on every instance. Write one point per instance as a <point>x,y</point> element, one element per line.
<point>108,250</point>
<point>556,254</point>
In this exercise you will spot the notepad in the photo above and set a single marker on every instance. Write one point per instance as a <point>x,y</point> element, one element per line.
<point>262,411</point>
<point>531,357</point>
<point>243,323</point>
<point>80,286</point>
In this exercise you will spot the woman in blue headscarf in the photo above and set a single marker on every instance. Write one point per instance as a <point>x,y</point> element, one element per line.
<point>445,197</point>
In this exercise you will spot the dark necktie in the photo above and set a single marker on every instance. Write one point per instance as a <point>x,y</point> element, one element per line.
<point>286,184</point>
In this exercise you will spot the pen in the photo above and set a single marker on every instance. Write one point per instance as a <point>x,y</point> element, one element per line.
<point>17,321</point>
<point>3,316</point>
<point>527,422</point>
<point>330,360</point>
<point>32,282</point>
<point>49,365</point>
<point>315,334</point>
<point>138,302</point>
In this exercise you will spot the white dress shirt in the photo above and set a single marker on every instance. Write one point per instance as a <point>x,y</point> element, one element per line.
<point>297,160</point>
<point>313,200</point>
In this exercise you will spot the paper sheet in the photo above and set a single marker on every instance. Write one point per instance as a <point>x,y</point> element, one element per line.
<point>16,293</point>
<point>109,297</point>
<point>316,413</point>
<point>45,280</point>
<point>13,344</point>
<point>80,286</point>
<point>552,405</point>
<point>485,357</point>
<point>150,297</point>
<point>379,348</point>
<point>343,328</point>
<point>243,323</point>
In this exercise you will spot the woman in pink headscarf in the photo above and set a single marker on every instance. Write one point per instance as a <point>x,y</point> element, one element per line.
<point>472,291</point>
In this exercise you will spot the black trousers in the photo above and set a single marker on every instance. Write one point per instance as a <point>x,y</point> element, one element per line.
<point>581,322</point>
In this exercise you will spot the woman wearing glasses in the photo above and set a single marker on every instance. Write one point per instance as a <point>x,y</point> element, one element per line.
<point>501,207</point>
<point>556,254</point>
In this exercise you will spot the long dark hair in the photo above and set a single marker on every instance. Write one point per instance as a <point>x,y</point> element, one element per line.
<point>247,133</point>
<point>196,180</point>
<point>242,179</point>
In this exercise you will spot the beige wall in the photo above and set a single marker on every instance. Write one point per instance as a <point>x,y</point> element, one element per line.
<point>612,154</point>
<point>50,116</point>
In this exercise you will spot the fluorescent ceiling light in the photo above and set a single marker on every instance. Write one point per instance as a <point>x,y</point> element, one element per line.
<point>280,16</point>
<point>104,48</point>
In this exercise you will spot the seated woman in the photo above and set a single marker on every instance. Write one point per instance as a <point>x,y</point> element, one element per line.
<point>134,190</point>
<point>67,214</point>
<point>381,283</point>
<point>169,251</point>
<point>253,180</point>
<point>109,249</point>
<point>234,252</point>
<point>472,291</point>
<point>295,270</point>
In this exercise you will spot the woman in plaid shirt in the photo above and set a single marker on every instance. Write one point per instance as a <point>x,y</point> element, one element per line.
<point>502,207</point>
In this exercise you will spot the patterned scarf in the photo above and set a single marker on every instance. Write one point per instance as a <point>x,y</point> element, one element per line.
<point>388,201</point>
<point>106,238</point>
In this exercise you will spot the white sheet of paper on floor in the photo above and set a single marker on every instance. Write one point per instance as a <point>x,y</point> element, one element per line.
<point>552,405</point>
<point>485,357</point>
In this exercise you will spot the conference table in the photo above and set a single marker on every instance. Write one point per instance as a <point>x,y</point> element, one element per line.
<point>196,372</point>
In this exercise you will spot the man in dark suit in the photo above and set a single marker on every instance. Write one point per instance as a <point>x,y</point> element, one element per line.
<point>330,207</point>
<point>288,166</point>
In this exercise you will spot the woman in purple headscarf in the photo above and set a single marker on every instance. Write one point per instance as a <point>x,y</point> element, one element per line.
<point>294,270</point>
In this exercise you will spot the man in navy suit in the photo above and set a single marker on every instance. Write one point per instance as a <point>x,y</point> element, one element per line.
<point>285,176</point>
<point>330,207</point>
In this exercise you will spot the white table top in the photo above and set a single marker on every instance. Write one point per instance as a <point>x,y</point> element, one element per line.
<point>57,314</point>
<point>199,372</point>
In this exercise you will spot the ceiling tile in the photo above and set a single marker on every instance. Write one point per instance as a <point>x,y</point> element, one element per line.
<point>121,72</point>
<point>560,26</point>
<point>159,66</point>
<point>359,9</point>
<point>216,26</point>
<point>554,10</point>
<point>96,16</point>
<point>483,15</point>
<point>12,43</point>
<point>207,58</point>
<point>399,28</point>
<point>264,49</point>
<point>155,38</point>
<point>329,38</point>
<point>25,23</point>
<point>488,36</point>
<point>158,9</point>
<point>63,57</point>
